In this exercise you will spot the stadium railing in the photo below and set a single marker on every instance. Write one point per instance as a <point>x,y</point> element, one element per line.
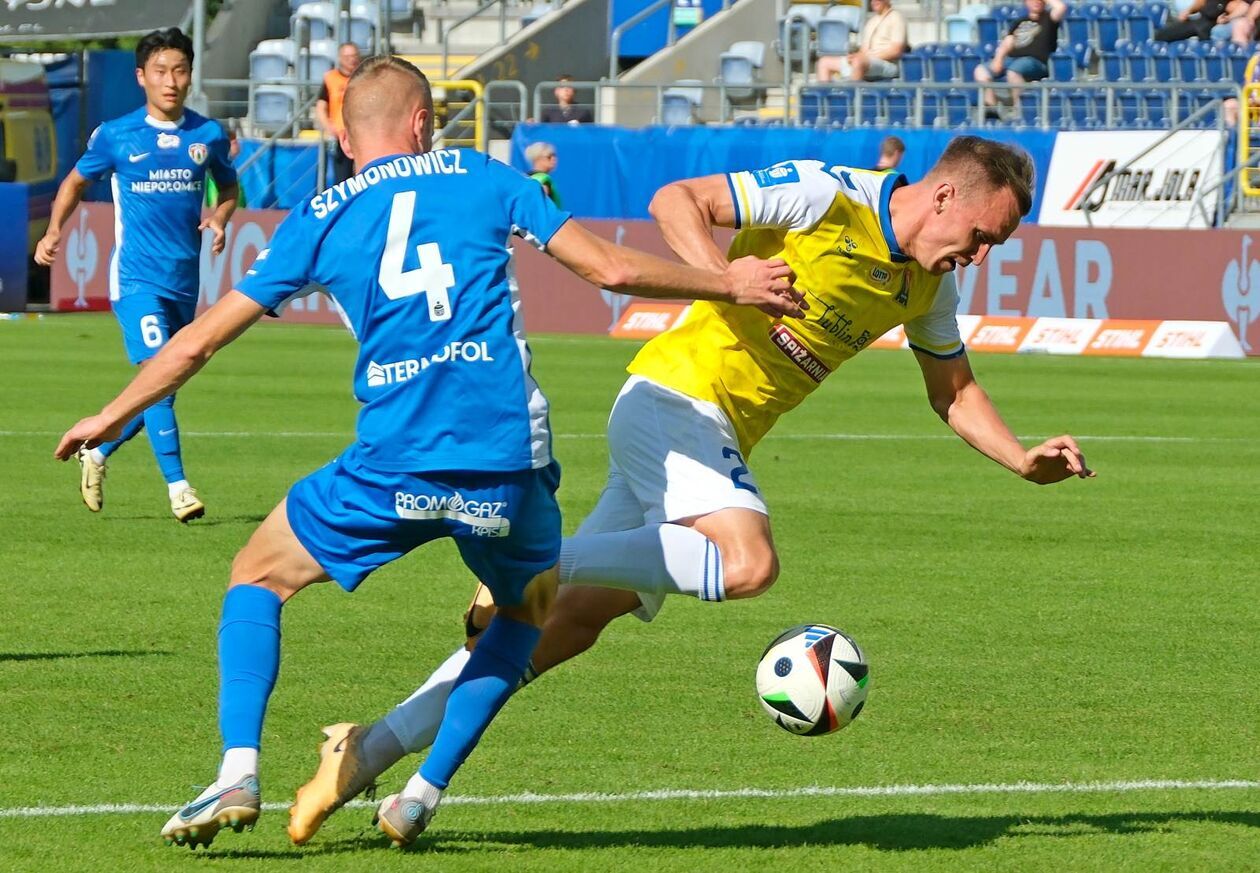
<point>1248,150</point>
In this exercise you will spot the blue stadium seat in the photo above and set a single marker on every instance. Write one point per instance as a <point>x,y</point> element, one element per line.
<point>1078,107</point>
<point>1157,11</point>
<point>1162,67</point>
<point>899,107</point>
<point>1114,67</point>
<point>968,59</point>
<point>1108,27</point>
<point>810,106</point>
<point>1236,58</point>
<point>1138,62</point>
<point>944,67</point>
<point>1062,68</point>
<point>870,108</point>
<point>1128,108</point>
<point>913,67</point>
<point>1156,103</point>
<point>1082,54</point>
<point>838,105</point>
<point>802,31</point>
<point>320,18</point>
<point>273,59</point>
<point>834,37</point>
<point>1213,56</point>
<point>680,101</point>
<point>1007,15</point>
<point>960,107</point>
<point>1186,60</point>
<point>987,29</point>
<point>1078,29</point>
<point>934,112</point>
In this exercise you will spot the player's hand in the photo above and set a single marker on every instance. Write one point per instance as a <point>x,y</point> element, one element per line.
<point>220,234</point>
<point>1054,460</point>
<point>46,249</point>
<point>88,433</point>
<point>766,285</point>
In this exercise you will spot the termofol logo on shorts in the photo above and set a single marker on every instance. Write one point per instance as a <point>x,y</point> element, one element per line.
<point>799,355</point>
<point>379,375</point>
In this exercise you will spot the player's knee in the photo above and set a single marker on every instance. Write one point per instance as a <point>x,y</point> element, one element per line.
<point>248,570</point>
<point>750,573</point>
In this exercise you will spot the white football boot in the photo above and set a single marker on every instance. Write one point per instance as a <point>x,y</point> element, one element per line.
<point>186,505</point>
<point>198,823</point>
<point>91,481</point>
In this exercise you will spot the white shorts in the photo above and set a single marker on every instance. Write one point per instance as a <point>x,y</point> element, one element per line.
<point>671,457</point>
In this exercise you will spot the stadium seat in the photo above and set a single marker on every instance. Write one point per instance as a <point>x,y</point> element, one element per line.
<point>1236,58</point>
<point>1108,27</point>
<point>968,59</point>
<point>869,108</point>
<point>834,37</point>
<point>680,102</point>
<point>802,31</point>
<point>913,67</point>
<point>899,107</point>
<point>838,106</point>
<point>1162,67</point>
<point>1212,55</point>
<point>363,19</point>
<point>851,15</point>
<point>943,64</point>
<point>273,59</point>
<point>740,66</point>
<point>959,107</point>
<point>538,10</point>
<point>1156,108</point>
<point>1078,30</point>
<point>320,57</point>
<point>987,29</point>
<point>1186,60</point>
<point>320,18</point>
<point>1137,62</point>
<point>810,108</point>
<point>1157,12</point>
<point>1113,67</point>
<point>1062,67</point>
<point>1128,108</point>
<point>273,106</point>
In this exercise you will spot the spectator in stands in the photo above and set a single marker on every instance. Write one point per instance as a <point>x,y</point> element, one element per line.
<point>880,47</point>
<point>1023,55</point>
<point>542,163</point>
<point>1213,19</point>
<point>328,107</point>
<point>566,111</point>
<point>891,151</point>
<point>212,189</point>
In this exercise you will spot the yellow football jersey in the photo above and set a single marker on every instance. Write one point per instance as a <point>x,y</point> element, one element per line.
<point>831,225</point>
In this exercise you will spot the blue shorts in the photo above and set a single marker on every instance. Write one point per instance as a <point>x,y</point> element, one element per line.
<point>354,520</point>
<point>1030,69</point>
<point>149,321</point>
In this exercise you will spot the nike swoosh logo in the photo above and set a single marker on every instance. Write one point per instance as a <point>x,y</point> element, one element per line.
<point>166,432</point>
<point>190,811</point>
<point>141,157</point>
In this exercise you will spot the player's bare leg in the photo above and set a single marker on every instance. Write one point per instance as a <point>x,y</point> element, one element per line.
<point>271,568</point>
<point>484,686</point>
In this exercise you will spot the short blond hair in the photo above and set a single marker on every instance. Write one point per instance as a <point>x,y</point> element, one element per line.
<point>372,69</point>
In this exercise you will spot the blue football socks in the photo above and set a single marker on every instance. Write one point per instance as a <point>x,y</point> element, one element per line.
<point>131,429</point>
<point>159,421</point>
<point>249,661</point>
<point>487,681</point>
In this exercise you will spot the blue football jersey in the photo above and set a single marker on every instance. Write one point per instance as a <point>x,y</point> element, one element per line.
<point>159,172</point>
<point>415,251</point>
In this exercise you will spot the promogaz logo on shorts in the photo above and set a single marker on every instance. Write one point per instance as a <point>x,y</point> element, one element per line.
<point>485,517</point>
<point>392,373</point>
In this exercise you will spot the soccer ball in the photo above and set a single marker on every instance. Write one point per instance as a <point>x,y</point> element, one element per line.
<point>813,679</point>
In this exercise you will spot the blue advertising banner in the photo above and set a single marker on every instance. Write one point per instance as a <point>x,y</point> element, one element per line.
<point>612,172</point>
<point>13,242</point>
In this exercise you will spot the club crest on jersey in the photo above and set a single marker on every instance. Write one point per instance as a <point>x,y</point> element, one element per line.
<point>903,296</point>
<point>168,140</point>
<point>198,152</point>
<point>880,275</point>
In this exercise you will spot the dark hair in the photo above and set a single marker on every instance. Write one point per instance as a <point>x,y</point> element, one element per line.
<point>564,77</point>
<point>994,164</point>
<point>171,38</point>
<point>892,144</point>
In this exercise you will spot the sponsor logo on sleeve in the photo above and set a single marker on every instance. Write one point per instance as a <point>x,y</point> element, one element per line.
<point>780,175</point>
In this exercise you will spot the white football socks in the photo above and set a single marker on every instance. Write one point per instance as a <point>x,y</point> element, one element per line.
<point>174,489</point>
<point>423,790</point>
<point>98,457</point>
<point>656,558</point>
<point>415,721</point>
<point>237,764</point>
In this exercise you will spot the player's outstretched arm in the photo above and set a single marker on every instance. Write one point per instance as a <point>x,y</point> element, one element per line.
<point>749,280</point>
<point>185,354</point>
<point>959,400</point>
<point>687,211</point>
<point>68,196</point>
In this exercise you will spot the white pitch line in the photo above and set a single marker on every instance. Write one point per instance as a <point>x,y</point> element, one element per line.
<point>667,794</point>
<point>851,437</point>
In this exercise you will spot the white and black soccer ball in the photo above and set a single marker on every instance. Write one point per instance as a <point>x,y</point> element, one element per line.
<point>813,679</point>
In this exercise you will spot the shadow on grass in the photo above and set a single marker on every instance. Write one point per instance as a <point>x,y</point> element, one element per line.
<point>208,521</point>
<point>889,833</point>
<point>65,656</point>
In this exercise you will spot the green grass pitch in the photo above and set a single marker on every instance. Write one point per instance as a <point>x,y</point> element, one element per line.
<point>1101,631</point>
